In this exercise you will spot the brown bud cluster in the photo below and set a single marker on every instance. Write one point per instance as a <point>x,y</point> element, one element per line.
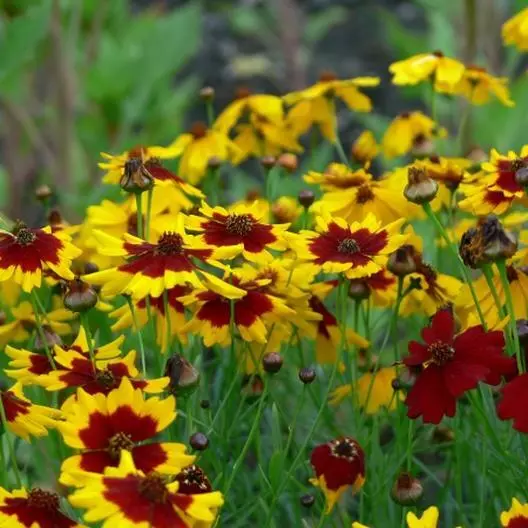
<point>420,187</point>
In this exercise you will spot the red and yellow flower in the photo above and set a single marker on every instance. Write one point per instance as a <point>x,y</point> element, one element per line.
<point>338,465</point>
<point>125,496</point>
<point>511,405</point>
<point>100,426</point>
<point>338,177</point>
<point>517,515</point>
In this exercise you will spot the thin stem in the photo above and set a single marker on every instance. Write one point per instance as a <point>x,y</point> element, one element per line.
<point>85,324</point>
<point>322,518</point>
<point>168,324</point>
<point>150,194</point>
<point>408,451</point>
<point>10,445</point>
<point>337,142</point>
<point>139,207</point>
<point>488,274</point>
<point>140,336</point>
<point>40,329</point>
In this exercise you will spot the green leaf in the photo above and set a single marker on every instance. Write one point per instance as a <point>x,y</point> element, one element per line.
<point>400,38</point>
<point>319,24</point>
<point>276,432</point>
<point>246,21</point>
<point>275,468</point>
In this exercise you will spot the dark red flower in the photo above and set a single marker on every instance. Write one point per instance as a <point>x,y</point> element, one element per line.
<point>512,405</point>
<point>453,364</point>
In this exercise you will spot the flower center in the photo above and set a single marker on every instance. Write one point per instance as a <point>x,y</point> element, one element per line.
<point>193,480</point>
<point>364,194</point>
<point>105,378</point>
<point>348,245</point>
<point>25,236</point>
<point>170,244</point>
<point>438,54</point>
<point>39,498</point>
<point>512,274</point>
<point>118,442</point>
<point>517,163</point>
<point>241,225</point>
<point>344,448</point>
<point>441,353</point>
<point>198,130</point>
<point>153,488</point>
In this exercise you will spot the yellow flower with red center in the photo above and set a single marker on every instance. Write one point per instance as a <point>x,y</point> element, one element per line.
<point>27,253</point>
<point>381,287</point>
<point>315,105</point>
<point>365,148</point>
<point>515,30</point>
<point>101,426</point>
<point>127,497</point>
<point>338,466</point>
<point>371,392</point>
<point>407,131</point>
<point>25,323</point>
<point>477,85</point>
<point>198,148</point>
<point>357,250</point>
<point>445,73</point>
<point>338,177</point>
<point>36,508</point>
<point>24,418</point>
<point>240,229</point>
<point>451,172</point>
<point>169,315</point>
<point>517,515</point>
<point>150,269</point>
<point>28,367</point>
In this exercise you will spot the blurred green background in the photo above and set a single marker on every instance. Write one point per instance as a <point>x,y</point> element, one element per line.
<point>78,77</point>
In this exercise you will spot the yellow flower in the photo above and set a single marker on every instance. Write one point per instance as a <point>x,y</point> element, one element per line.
<point>372,392</point>
<point>444,72</point>
<point>517,515</point>
<point>337,177</point>
<point>407,131</point>
<point>286,209</point>
<point>478,86</point>
<point>429,519</point>
<point>515,30</point>
<point>365,148</point>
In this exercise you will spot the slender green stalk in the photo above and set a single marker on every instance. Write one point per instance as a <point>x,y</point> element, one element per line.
<point>488,274</point>
<point>139,207</point>
<point>150,194</point>
<point>408,450</point>
<point>140,336</point>
<point>86,325</point>
<point>10,444</point>
<point>322,518</point>
<point>40,329</point>
<point>168,324</point>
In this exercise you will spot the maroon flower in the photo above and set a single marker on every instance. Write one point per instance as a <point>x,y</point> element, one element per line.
<point>453,364</point>
<point>512,405</point>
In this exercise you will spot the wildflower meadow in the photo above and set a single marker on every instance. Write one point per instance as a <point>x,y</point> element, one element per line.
<point>267,322</point>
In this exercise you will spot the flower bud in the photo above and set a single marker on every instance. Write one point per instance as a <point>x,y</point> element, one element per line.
<point>307,500</point>
<point>184,378</point>
<point>498,243</point>
<point>268,162</point>
<point>199,441</point>
<point>521,176</point>
<point>306,198</point>
<point>207,93</point>
<point>422,146</point>
<point>43,193</point>
<point>136,178</point>
<point>79,296</point>
<point>272,362</point>
<point>55,218</point>
<point>443,434</point>
<point>205,404</point>
<point>420,188</point>
<point>358,290</point>
<point>46,339</point>
<point>477,155</point>
<point>252,386</point>
<point>522,331</point>
<point>288,162</point>
<point>471,249</point>
<point>214,162</point>
<point>307,375</point>
<point>402,262</point>
<point>407,490</point>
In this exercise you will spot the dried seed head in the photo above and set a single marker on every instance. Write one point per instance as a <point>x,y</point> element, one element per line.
<point>420,187</point>
<point>521,176</point>
<point>184,378</point>
<point>199,441</point>
<point>402,262</point>
<point>306,198</point>
<point>406,490</point>
<point>136,178</point>
<point>498,243</point>
<point>272,362</point>
<point>79,296</point>
<point>43,193</point>
<point>307,375</point>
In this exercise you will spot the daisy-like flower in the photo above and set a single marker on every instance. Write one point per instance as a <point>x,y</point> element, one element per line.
<point>407,131</point>
<point>515,30</point>
<point>517,515</point>
<point>27,367</point>
<point>511,405</point>
<point>174,317</point>
<point>382,288</point>
<point>338,466</point>
<point>24,418</point>
<point>24,323</point>
<point>365,148</point>
<point>26,253</point>
<point>101,426</point>
<point>127,497</point>
<point>36,508</point>
<point>450,172</point>
<point>372,391</point>
<point>198,147</point>
<point>443,72</point>
<point>315,105</point>
<point>452,365</point>
<point>478,86</point>
<point>357,250</point>
<point>338,177</point>
<point>241,229</point>
<point>151,269</point>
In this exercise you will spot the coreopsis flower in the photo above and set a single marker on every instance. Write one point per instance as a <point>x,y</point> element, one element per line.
<point>27,253</point>
<point>152,268</point>
<point>314,105</point>
<point>365,148</point>
<point>382,288</point>
<point>517,515</point>
<point>408,130</point>
<point>428,519</point>
<point>198,147</point>
<point>450,172</point>
<point>27,366</point>
<point>173,317</point>
<point>371,392</point>
<point>286,210</point>
<point>254,198</point>
<point>511,405</point>
<point>479,86</point>
<point>452,365</point>
<point>338,466</point>
<point>101,426</point>
<point>445,73</point>
<point>515,30</point>
<point>125,496</point>
<point>25,323</point>
<point>24,418</point>
<point>357,250</point>
<point>36,508</point>
<point>241,229</point>
<point>253,309</point>
<point>338,177</point>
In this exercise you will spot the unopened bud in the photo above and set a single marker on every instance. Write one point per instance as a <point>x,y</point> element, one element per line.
<point>199,441</point>
<point>477,155</point>
<point>443,434</point>
<point>79,296</point>
<point>307,500</point>
<point>272,362</point>
<point>268,162</point>
<point>420,187</point>
<point>306,198</point>
<point>307,375</point>
<point>407,490</point>
<point>43,193</point>
<point>288,162</point>
<point>358,290</point>
<point>402,262</point>
<point>205,404</point>
<point>422,147</point>
<point>521,176</point>
<point>498,243</point>
<point>47,338</point>
<point>184,378</point>
<point>214,162</point>
<point>207,93</point>
<point>55,218</point>
<point>136,178</point>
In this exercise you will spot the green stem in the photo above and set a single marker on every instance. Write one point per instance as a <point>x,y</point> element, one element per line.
<point>85,324</point>
<point>166,307</point>
<point>10,444</point>
<point>140,336</point>
<point>322,518</point>
<point>40,329</point>
<point>392,325</point>
<point>139,207</point>
<point>408,450</point>
<point>488,274</point>
<point>337,142</point>
<point>150,193</point>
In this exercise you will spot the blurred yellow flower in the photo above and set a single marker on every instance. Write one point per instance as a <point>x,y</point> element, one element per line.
<point>365,148</point>
<point>478,86</point>
<point>515,30</point>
